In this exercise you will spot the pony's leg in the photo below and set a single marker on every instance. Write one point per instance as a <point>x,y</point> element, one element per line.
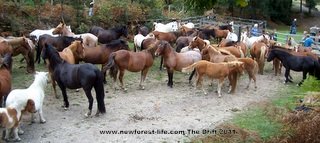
<point>286,75</point>
<point>234,78</point>
<point>7,134</point>
<point>161,63</point>
<point>16,137</point>
<point>103,71</point>
<point>65,97</point>
<point>90,99</point>
<point>170,77</point>
<point>42,120</point>
<point>53,82</point>
<point>304,76</point>
<point>143,77</point>
<point>199,83</point>
<point>121,74</point>
<point>191,75</point>
<point>220,83</point>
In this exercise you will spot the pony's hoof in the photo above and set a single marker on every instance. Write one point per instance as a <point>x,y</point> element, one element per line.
<point>20,132</point>
<point>219,96</point>
<point>88,114</point>
<point>97,114</point>
<point>43,121</point>
<point>142,88</point>
<point>17,139</point>
<point>77,90</point>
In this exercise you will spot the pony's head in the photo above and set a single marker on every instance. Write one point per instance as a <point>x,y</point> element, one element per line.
<point>59,28</point>
<point>41,78</point>
<point>161,47</point>
<point>271,55</point>
<point>30,107</point>
<point>51,54</point>
<point>78,48</point>
<point>197,42</point>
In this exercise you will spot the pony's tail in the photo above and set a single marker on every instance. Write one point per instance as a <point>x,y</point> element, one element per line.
<point>38,51</point>
<point>189,68</point>
<point>255,67</point>
<point>241,52</point>
<point>98,87</point>
<point>112,66</point>
<point>262,58</point>
<point>317,68</point>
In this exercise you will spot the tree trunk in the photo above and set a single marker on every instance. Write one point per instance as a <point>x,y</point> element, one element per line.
<point>300,6</point>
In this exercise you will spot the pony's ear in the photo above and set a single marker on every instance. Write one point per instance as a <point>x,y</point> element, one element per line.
<point>46,73</point>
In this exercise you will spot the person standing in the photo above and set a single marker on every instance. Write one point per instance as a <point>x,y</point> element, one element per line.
<point>91,8</point>
<point>293,27</point>
<point>255,31</point>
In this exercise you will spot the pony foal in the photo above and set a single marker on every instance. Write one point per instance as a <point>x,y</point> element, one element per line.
<point>214,71</point>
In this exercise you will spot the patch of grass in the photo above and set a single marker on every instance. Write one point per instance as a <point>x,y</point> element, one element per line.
<point>257,120</point>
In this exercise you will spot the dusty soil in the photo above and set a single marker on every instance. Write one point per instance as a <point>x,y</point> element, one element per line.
<point>158,107</point>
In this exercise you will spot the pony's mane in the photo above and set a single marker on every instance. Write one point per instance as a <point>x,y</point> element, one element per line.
<point>52,54</point>
<point>224,51</point>
<point>68,39</point>
<point>7,61</point>
<point>234,63</point>
<point>116,43</point>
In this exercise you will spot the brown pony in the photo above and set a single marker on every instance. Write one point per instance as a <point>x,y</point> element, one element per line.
<point>251,67</point>
<point>187,31</point>
<point>100,54</point>
<point>234,50</point>
<point>170,37</point>
<point>227,43</point>
<point>24,46</point>
<point>122,60</point>
<point>258,52</point>
<point>214,71</point>
<point>175,61</point>
<point>5,77</point>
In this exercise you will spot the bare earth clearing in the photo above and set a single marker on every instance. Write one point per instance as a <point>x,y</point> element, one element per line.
<point>157,107</point>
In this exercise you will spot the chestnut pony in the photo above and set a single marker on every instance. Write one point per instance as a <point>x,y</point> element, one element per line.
<point>214,71</point>
<point>5,77</point>
<point>25,47</point>
<point>122,60</point>
<point>175,61</point>
<point>259,52</point>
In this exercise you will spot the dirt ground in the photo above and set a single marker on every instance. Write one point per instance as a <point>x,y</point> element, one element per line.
<point>157,108</point>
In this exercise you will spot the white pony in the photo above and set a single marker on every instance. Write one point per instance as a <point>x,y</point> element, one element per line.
<point>232,37</point>
<point>19,100</point>
<point>249,41</point>
<point>38,32</point>
<point>35,92</point>
<point>169,27</point>
<point>89,39</point>
<point>186,49</point>
<point>189,25</point>
<point>138,39</point>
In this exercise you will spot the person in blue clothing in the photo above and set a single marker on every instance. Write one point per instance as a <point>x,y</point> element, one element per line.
<point>308,42</point>
<point>255,30</point>
<point>293,27</point>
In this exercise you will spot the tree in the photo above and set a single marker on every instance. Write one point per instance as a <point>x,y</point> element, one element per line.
<point>199,6</point>
<point>310,4</point>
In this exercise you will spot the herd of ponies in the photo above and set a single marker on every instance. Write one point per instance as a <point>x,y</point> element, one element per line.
<point>182,48</point>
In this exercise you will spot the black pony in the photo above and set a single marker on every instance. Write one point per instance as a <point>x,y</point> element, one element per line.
<point>76,76</point>
<point>59,43</point>
<point>306,64</point>
<point>106,36</point>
